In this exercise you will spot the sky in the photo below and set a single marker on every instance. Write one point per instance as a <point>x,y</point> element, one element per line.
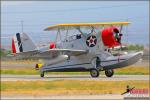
<point>37,15</point>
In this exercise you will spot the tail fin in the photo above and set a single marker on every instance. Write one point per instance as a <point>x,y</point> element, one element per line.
<point>22,43</point>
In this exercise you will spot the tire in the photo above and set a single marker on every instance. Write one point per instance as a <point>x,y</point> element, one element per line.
<point>42,74</point>
<point>109,73</point>
<point>94,73</point>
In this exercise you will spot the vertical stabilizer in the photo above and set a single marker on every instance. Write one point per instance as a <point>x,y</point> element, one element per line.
<point>22,43</point>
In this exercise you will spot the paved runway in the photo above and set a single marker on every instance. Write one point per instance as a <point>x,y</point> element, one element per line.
<point>72,77</point>
<point>73,97</point>
<point>64,97</point>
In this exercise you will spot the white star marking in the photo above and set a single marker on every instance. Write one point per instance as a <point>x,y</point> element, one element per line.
<point>91,41</point>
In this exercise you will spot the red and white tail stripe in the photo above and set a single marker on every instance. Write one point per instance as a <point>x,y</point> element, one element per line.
<point>15,47</point>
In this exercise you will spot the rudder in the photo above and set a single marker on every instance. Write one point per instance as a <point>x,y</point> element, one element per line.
<point>22,43</point>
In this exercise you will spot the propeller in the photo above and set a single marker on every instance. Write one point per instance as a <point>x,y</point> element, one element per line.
<point>120,34</point>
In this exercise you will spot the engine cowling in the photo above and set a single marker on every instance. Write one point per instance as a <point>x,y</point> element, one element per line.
<point>111,37</point>
<point>52,45</point>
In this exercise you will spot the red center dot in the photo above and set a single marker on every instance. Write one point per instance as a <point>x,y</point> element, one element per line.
<point>91,41</point>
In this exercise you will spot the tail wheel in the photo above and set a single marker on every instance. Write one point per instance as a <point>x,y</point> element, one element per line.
<point>109,73</point>
<point>42,74</point>
<point>94,73</point>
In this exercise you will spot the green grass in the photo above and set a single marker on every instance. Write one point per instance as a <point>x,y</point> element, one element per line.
<point>20,71</point>
<point>69,86</point>
<point>35,72</point>
<point>131,70</point>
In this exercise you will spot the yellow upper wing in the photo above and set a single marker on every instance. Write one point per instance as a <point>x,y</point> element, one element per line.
<point>84,24</point>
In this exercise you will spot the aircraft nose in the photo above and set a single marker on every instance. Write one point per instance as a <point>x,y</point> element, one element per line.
<point>141,52</point>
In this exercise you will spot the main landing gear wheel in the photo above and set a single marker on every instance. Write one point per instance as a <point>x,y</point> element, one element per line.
<point>109,73</point>
<point>94,72</point>
<point>42,74</point>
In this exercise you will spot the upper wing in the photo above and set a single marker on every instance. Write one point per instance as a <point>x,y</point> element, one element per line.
<point>49,54</point>
<point>72,25</point>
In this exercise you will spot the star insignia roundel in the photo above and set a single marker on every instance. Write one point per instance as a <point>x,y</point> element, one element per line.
<point>91,41</point>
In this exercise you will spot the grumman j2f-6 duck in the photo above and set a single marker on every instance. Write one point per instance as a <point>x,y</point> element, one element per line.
<point>84,47</point>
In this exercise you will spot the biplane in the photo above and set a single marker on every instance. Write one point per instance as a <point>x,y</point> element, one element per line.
<point>78,47</point>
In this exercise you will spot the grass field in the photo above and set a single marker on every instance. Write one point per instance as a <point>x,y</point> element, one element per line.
<point>131,70</point>
<point>20,62</point>
<point>69,87</point>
